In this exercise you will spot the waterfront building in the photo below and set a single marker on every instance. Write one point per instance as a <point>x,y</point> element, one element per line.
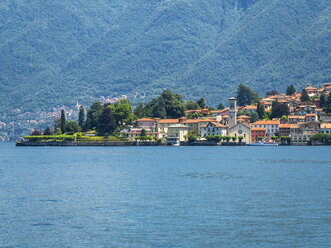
<point>203,122</point>
<point>241,129</point>
<point>177,133</point>
<point>146,123</point>
<point>271,126</point>
<point>136,132</point>
<point>284,129</point>
<point>306,130</point>
<point>163,125</point>
<point>213,128</point>
<point>257,132</point>
<point>192,124</point>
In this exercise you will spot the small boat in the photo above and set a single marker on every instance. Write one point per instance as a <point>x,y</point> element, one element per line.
<point>263,143</point>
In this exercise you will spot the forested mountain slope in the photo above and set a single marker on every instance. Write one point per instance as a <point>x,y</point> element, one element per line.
<point>57,52</point>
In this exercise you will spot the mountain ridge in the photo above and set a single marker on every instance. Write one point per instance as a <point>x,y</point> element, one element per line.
<point>80,50</point>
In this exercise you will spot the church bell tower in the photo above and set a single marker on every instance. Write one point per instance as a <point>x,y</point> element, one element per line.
<point>233,112</point>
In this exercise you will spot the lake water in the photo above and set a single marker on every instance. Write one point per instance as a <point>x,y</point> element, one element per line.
<point>165,196</point>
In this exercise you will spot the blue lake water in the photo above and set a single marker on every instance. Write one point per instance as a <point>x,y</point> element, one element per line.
<point>165,196</point>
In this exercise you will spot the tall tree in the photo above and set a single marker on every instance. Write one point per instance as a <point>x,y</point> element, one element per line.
<point>220,106</point>
<point>139,111</point>
<point>122,112</point>
<point>159,109</point>
<point>63,121</point>
<point>279,109</point>
<point>290,90</point>
<point>192,105</point>
<point>245,96</point>
<point>201,103</point>
<point>93,114</point>
<point>323,100</point>
<point>87,124</point>
<point>304,96</point>
<point>327,105</point>
<point>174,104</point>
<point>106,122</point>
<point>260,110</point>
<point>81,116</point>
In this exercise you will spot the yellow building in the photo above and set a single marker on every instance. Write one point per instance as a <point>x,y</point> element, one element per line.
<point>177,133</point>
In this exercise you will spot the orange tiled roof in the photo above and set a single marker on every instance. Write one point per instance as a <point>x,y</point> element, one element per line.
<point>326,126</point>
<point>191,121</point>
<point>192,111</point>
<point>319,109</point>
<point>214,123</point>
<point>310,87</point>
<point>310,114</point>
<point>250,107</point>
<point>257,129</point>
<point>206,120</point>
<point>243,117</point>
<point>293,117</point>
<point>294,126</point>
<point>168,121</point>
<point>284,125</point>
<point>266,122</point>
<point>146,119</point>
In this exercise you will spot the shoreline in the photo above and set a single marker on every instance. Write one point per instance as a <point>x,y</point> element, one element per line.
<point>141,143</point>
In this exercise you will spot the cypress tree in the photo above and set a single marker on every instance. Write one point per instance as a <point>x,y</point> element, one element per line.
<point>322,100</point>
<point>81,116</point>
<point>290,90</point>
<point>201,103</point>
<point>159,109</point>
<point>87,124</point>
<point>63,121</point>
<point>304,96</point>
<point>260,110</point>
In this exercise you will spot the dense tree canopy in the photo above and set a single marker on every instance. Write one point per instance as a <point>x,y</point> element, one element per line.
<point>220,106</point>
<point>279,109</point>
<point>201,103</point>
<point>245,96</point>
<point>107,122</point>
<point>139,111</point>
<point>192,105</point>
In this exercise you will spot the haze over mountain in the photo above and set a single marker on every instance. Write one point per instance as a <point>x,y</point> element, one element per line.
<point>57,52</point>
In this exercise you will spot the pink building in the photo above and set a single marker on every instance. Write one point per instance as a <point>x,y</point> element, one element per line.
<point>146,123</point>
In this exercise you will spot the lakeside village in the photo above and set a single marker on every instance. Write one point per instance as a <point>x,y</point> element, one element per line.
<point>292,118</point>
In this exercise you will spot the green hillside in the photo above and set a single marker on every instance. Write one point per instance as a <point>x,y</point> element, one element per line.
<point>58,52</point>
